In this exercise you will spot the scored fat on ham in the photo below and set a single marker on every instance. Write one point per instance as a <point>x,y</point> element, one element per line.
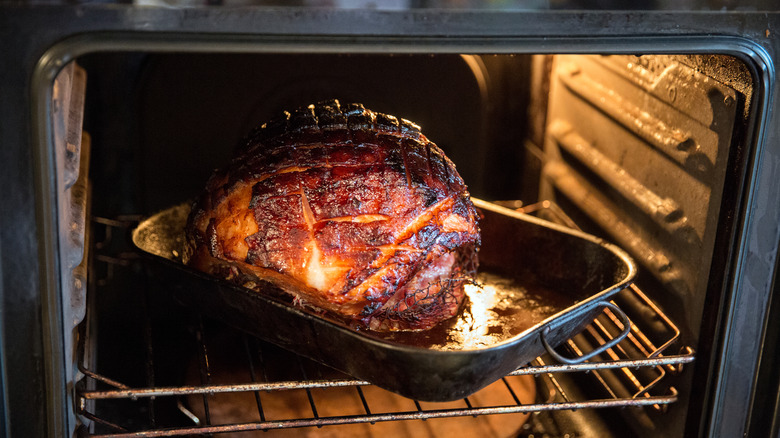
<point>355,212</point>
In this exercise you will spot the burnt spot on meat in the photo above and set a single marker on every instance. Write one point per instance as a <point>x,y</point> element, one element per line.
<point>213,243</point>
<point>430,197</point>
<point>370,308</point>
<point>330,116</point>
<point>304,119</point>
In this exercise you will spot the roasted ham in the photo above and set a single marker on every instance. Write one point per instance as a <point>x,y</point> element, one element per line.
<point>357,213</point>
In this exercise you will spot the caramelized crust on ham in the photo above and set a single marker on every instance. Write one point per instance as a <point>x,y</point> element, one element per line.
<point>355,212</point>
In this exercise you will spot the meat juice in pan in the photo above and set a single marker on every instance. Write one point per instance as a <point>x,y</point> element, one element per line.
<point>496,309</point>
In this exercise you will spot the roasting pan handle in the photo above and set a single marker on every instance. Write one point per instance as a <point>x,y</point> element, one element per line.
<point>626,328</point>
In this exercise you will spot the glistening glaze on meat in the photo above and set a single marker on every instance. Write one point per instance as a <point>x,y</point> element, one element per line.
<point>356,212</point>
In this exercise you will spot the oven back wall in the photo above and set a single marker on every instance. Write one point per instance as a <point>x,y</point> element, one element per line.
<point>182,115</point>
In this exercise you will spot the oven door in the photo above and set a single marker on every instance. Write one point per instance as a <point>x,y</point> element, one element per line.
<point>43,307</point>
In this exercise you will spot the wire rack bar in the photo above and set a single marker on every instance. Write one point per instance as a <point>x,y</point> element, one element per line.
<point>340,383</point>
<point>399,416</point>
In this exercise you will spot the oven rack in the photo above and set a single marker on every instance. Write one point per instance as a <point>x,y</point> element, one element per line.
<point>631,374</point>
<point>540,369</point>
<point>420,413</point>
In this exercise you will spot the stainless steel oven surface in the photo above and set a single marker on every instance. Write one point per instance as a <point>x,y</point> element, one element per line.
<point>655,133</point>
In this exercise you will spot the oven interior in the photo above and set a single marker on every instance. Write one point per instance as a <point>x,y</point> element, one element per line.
<point>646,151</point>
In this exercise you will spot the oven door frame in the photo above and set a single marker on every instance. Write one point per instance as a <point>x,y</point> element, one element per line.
<point>37,42</point>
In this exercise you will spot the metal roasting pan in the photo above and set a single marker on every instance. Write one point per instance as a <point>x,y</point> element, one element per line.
<point>538,285</point>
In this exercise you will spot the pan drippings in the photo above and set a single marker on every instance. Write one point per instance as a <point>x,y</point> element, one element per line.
<point>497,309</point>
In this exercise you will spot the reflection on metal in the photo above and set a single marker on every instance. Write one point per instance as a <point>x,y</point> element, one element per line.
<point>602,211</point>
<point>665,212</point>
<point>481,77</point>
<point>678,144</point>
